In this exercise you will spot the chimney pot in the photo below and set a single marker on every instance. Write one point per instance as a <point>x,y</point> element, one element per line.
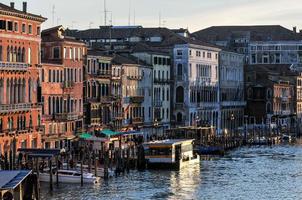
<point>25,6</point>
<point>295,29</point>
<point>12,4</point>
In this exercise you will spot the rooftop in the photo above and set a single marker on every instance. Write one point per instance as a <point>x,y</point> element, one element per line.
<point>4,9</point>
<point>11,179</point>
<point>254,33</point>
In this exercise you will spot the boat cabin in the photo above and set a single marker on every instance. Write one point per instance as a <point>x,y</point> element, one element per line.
<point>171,153</point>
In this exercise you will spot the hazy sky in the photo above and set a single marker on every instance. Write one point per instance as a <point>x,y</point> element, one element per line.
<point>194,14</point>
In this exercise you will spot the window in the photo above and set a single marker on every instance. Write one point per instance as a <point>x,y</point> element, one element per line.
<point>23,28</point>
<point>10,26</point>
<point>179,69</point>
<point>38,30</point>
<point>64,54</point>
<point>155,61</point>
<point>16,27</point>
<point>56,52</point>
<point>209,55</point>
<point>30,29</point>
<point>2,24</point>
<point>179,52</point>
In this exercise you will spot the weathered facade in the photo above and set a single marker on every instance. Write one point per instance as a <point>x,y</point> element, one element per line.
<point>20,111</point>
<point>62,86</point>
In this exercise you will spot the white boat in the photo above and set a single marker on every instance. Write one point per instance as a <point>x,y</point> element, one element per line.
<point>100,170</point>
<point>68,176</point>
<point>170,154</point>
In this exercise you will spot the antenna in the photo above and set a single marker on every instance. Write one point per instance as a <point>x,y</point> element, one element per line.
<point>129,13</point>
<point>159,19</point>
<point>58,20</point>
<point>53,14</point>
<point>105,13</point>
<point>90,23</point>
<point>134,16</point>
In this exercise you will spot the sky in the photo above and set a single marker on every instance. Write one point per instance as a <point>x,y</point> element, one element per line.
<point>192,14</point>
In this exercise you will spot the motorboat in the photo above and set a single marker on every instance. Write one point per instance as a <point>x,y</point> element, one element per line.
<point>68,176</point>
<point>100,170</point>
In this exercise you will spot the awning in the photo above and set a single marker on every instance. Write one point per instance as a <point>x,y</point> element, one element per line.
<point>12,179</point>
<point>110,133</point>
<point>85,136</point>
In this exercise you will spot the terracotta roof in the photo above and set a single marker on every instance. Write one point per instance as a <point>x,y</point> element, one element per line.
<point>5,8</point>
<point>256,33</point>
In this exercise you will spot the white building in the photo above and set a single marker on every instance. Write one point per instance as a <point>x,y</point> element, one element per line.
<point>196,85</point>
<point>231,82</point>
<point>161,86</point>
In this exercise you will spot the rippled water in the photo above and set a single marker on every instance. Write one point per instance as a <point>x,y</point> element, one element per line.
<point>246,173</point>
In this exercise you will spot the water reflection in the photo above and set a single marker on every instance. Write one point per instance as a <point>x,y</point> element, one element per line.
<point>247,173</point>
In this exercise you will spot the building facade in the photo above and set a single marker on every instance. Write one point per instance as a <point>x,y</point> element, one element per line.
<point>162,84</point>
<point>231,90</point>
<point>20,111</point>
<point>98,91</point>
<point>196,85</point>
<point>62,86</point>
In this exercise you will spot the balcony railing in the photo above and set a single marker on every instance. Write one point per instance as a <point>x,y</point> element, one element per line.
<point>158,103</point>
<point>4,108</point>
<point>13,66</point>
<point>136,77</point>
<point>136,99</point>
<point>67,84</point>
<point>22,130</point>
<point>104,73</point>
<point>179,106</point>
<point>161,80</point>
<point>66,116</point>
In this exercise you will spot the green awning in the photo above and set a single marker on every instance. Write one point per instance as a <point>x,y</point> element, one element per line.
<point>110,133</point>
<point>85,136</point>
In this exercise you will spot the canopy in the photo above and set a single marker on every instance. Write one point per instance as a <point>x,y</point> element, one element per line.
<point>85,136</point>
<point>110,133</point>
<point>12,179</point>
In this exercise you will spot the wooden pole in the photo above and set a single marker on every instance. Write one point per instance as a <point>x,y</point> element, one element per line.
<point>57,175</point>
<point>95,164</point>
<point>38,179</point>
<point>50,175</point>
<point>82,181</point>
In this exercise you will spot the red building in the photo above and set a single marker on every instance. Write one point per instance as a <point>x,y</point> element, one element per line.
<point>62,86</point>
<point>20,112</point>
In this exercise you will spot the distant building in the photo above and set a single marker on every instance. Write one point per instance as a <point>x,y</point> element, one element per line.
<point>162,84</point>
<point>97,90</point>
<point>20,111</point>
<point>271,96</point>
<point>231,90</point>
<point>62,86</point>
<point>261,44</point>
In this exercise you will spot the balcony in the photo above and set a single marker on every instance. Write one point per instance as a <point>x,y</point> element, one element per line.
<point>137,120</point>
<point>67,84</point>
<point>66,116</point>
<point>104,73</point>
<point>283,112</point>
<point>158,103</point>
<point>13,66</point>
<point>233,103</point>
<point>179,106</point>
<point>8,108</point>
<point>162,80</point>
<point>136,99</point>
<point>137,77</point>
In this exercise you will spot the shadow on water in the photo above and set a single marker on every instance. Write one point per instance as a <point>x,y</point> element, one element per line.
<point>246,173</point>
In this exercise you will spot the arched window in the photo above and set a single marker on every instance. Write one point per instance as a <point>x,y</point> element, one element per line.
<point>179,117</point>
<point>179,94</point>
<point>269,93</point>
<point>268,108</point>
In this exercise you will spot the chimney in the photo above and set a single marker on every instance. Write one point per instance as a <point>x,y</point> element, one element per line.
<point>295,29</point>
<point>24,6</point>
<point>12,4</point>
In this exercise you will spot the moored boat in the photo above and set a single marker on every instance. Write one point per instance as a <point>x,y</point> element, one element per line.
<point>68,176</point>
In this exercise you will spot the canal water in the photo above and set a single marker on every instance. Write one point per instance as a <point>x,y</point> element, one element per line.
<point>246,173</point>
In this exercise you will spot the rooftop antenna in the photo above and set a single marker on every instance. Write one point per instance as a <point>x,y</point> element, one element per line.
<point>90,23</point>
<point>58,20</point>
<point>159,19</point>
<point>72,23</point>
<point>53,14</point>
<point>105,13</point>
<point>134,16</point>
<point>129,13</point>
